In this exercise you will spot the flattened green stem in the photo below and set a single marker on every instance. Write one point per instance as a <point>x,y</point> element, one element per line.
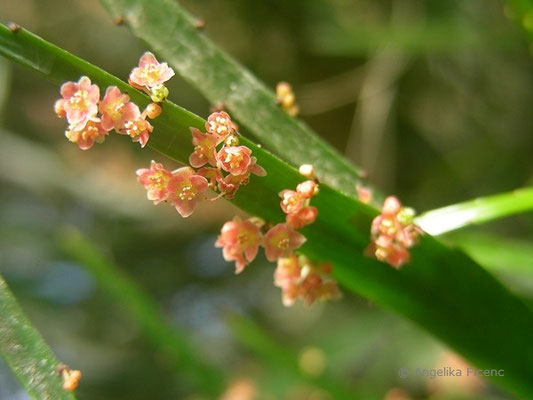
<point>222,79</point>
<point>25,351</point>
<point>477,211</point>
<point>172,343</point>
<point>440,289</point>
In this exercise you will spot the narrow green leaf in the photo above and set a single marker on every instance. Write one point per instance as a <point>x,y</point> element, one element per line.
<point>26,353</point>
<point>442,290</point>
<point>222,79</point>
<point>477,211</point>
<point>173,344</point>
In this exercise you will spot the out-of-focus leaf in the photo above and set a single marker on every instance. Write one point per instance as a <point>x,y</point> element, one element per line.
<point>26,353</point>
<point>476,211</point>
<point>441,289</point>
<point>174,344</point>
<point>281,358</point>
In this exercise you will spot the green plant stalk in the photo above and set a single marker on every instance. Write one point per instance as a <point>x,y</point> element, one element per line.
<point>441,289</point>
<point>172,343</point>
<point>222,79</point>
<point>477,211</point>
<point>26,353</point>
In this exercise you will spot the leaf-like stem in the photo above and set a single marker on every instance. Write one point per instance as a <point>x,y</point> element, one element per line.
<point>25,351</point>
<point>477,211</point>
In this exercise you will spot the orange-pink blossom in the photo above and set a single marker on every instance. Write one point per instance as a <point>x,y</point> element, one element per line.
<point>150,73</point>
<point>240,241</point>
<point>185,189</point>
<point>79,103</point>
<point>281,241</point>
<point>155,180</point>
<point>90,133</point>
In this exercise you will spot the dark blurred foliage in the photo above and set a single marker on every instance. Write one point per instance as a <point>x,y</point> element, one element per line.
<point>432,98</point>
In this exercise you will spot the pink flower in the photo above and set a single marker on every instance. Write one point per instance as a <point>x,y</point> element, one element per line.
<point>306,216</point>
<point>240,241</point>
<point>393,233</point>
<point>185,189</point>
<point>307,189</point>
<point>299,277</point>
<point>287,271</point>
<point>80,102</point>
<point>113,108</point>
<point>391,206</point>
<point>213,175</point>
<point>135,126</point>
<point>91,132</point>
<point>234,159</point>
<point>256,169</point>
<point>150,73</point>
<point>291,201</point>
<point>219,124</point>
<point>204,149</point>
<point>364,194</point>
<point>387,250</point>
<point>231,183</point>
<point>59,108</point>
<point>281,241</point>
<point>155,180</point>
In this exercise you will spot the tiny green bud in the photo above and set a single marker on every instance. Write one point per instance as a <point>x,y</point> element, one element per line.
<point>232,140</point>
<point>406,215</point>
<point>159,93</point>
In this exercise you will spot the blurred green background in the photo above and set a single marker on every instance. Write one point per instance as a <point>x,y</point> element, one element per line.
<point>432,98</point>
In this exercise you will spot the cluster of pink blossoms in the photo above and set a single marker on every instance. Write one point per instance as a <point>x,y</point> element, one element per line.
<point>80,105</point>
<point>393,233</point>
<point>300,278</point>
<point>230,167</point>
<point>297,276</point>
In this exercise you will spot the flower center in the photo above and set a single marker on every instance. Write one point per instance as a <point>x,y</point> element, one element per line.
<point>151,73</point>
<point>135,128</point>
<point>79,99</point>
<point>158,180</point>
<point>233,159</point>
<point>186,191</point>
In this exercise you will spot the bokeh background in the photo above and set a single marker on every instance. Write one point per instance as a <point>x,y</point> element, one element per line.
<point>432,98</point>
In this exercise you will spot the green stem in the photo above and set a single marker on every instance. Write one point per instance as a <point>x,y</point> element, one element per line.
<point>27,354</point>
<point>477,211</point>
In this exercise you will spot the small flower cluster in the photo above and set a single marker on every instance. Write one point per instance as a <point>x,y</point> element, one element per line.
<point>286,99</point>
<point>297,276</point>
<point>80,105</point>
<point>393,233</point>
<point>228,167</point>
<point>185,186</point>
